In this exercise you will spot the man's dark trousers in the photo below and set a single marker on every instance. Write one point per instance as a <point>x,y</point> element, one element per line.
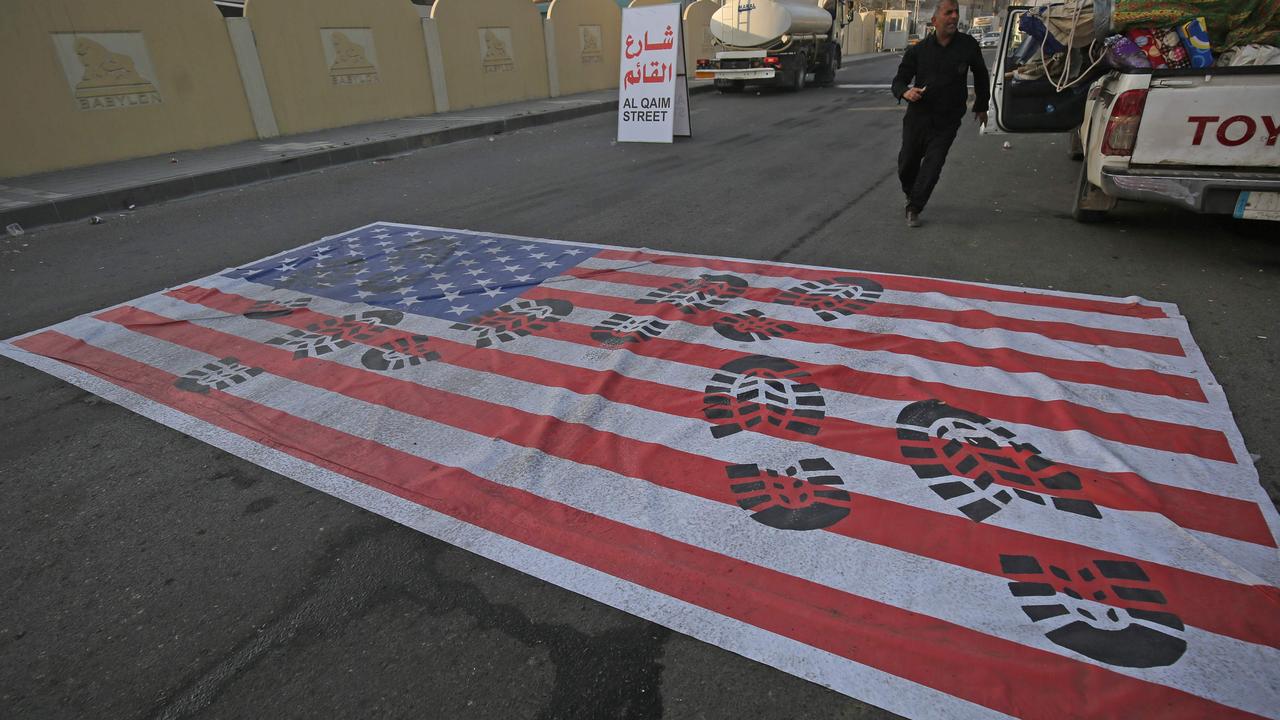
<point>924,150</point>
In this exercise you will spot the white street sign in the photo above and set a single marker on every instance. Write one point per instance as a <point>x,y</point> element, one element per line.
<point>653,90</point>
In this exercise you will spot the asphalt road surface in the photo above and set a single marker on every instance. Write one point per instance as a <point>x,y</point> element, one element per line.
<point>150,575</point>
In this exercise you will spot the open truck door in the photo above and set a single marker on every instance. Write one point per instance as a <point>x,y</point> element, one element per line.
<point>1022,102</point>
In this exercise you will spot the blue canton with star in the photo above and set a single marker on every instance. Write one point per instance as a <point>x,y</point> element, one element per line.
<point>444,274</point>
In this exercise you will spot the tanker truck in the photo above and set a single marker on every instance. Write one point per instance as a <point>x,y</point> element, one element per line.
<point>774,42</point>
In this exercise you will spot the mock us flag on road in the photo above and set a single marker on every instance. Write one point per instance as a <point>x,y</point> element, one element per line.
<point>947,499</point>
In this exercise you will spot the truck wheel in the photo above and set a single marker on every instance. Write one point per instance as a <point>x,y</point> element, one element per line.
<point>1087,194</point>
<point>730,86</point>
<point>1075,149</point>
<point>798,80</point>
<point>826,75</point>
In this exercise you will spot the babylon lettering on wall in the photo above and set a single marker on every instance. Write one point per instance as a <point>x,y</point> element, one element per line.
<point>107,71</point>
<point>496,54</point>
<point>350,56</point>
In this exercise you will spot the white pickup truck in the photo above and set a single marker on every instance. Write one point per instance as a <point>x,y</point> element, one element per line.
<point>1207,140</point>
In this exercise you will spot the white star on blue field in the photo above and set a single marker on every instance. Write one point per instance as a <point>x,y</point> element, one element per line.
<point>445,274</point>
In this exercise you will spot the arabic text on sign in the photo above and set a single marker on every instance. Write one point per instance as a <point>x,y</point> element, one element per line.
<point>668,42</point>
<point>654,72</point>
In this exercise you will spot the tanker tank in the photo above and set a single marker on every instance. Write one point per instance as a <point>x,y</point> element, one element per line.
<point>761,23</point>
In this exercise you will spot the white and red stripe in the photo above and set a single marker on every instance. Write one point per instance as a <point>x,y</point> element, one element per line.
<point>596,470</point>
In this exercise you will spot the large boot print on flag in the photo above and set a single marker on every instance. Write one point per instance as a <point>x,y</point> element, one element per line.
<point>333,334</point>
<point>1108,612</point>
<point>980,467</point>
<point>699,294</point>
<point>516,319</point>
<point>622,329</point>
<point>834,298</point>
<point>801,497</point>
<point>758,388</point>
<point>269,309</point>
<point>217,375</point>
<point>399,354</point>
<point>750,326</point>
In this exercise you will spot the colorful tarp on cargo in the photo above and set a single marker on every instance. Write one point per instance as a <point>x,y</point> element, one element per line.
<point>948,499</point>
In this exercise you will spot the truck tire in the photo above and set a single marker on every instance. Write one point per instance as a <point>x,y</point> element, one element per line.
<point>1086,191</point>
<point>826,75</point>
<point>730,86</point>
<point>1075,146</point>
<point>800,76</point>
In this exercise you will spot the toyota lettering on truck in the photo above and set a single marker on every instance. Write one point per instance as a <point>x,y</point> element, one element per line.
<point>1162,112</point>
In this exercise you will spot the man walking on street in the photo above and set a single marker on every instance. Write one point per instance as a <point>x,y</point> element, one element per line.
<point>933,79</point>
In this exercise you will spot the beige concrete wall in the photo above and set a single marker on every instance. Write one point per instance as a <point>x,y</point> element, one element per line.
<point>698,41</point>
<point>859,36</point>
<point>88,81</point>
<point>330,63</point>
<point>869,32</point>
<point>586,49</point>
<point>493,51</point>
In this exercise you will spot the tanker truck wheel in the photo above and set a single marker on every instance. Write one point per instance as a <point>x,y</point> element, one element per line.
<point>826,75</point>
<point>798,80</point>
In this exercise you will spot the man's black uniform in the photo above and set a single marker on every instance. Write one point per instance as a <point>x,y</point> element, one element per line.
<point>931,122</point>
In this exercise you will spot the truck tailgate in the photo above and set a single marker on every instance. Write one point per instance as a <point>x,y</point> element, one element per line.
<point>1224,119</point>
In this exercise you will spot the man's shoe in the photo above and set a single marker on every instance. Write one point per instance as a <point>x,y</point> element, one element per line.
<point>913,218</point>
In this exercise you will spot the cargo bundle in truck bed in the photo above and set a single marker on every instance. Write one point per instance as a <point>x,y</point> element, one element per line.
<point>1230,23</point>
